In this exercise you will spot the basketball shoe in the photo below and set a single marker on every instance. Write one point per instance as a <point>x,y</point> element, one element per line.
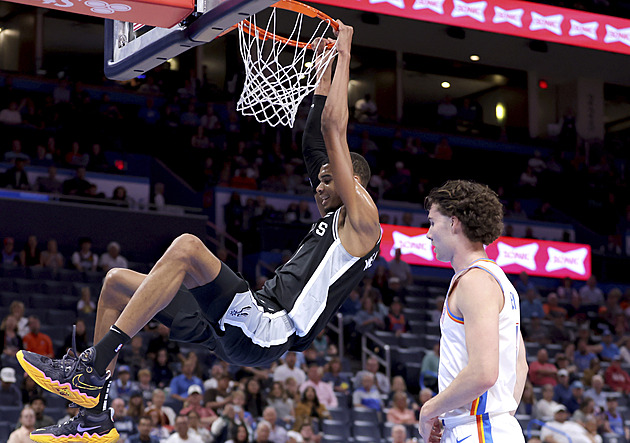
<point>83,427</point>
<point>73,378</point>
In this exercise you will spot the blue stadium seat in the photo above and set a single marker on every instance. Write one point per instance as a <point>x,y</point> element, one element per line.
<point>340,414</point>
<point>71,275</point>
<point>40,273</point>
<point>94,276</point>
<point>412,340</point>
<point>44,301</point>
<point>57,287</point>
<point>337,428</point>
<point>366,429</point>
<point>6,284</point>
<point>5,430</point>
<point>10,413</point>
<point>364,415</point>
<point>6,298</point>
<point>62,317</point>
<point>12,271</point>
<point>333,439</point>
<point>25,286</point>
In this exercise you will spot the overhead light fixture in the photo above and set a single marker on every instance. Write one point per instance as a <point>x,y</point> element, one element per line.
<point>500,112</point>
<point>474,58</point>
<point>446,85</point>
<point>308,64</point>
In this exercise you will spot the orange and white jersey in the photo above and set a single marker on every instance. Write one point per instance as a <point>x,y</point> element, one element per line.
<point>454,355</point>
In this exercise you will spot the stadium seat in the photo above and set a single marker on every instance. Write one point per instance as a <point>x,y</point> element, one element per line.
<point>364,415</point>
<point>5,430</point>
<point>412,340</point>
<point>387,337</point>
<point>94,276</point>
<point>11,271</point>
<point>340,414</point>
<point>337,428</point>
<point>370,429</point>
<point>610,437</point>
<point>343,400</point>
<point>25,286</point>
<point>71,275</point>
<point>6,284</point>
<point>57,287</point>
<point>44,301</point>
<point>333,439</point>
<point>6,298</point>
<point>10,413</point>
<point>62,317</point>
<point>40,273</point>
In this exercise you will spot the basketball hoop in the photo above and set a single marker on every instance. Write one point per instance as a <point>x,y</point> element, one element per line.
<point>281,71</point>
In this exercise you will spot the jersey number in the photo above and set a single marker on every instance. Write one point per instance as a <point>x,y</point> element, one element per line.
<point>321,229</point>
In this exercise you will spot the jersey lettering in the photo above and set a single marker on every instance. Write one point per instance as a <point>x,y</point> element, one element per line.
<point>321,229</point>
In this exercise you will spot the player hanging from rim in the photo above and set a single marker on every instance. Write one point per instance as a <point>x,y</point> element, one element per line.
<point>219,310</point>
<point>483,366</point>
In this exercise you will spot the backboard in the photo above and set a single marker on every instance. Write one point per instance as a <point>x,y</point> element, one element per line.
<point>132,49</point>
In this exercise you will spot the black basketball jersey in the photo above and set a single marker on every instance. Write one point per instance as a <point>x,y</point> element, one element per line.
<point>317,279</point>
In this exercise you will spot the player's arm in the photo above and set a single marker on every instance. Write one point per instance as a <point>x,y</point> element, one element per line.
<point>360,208</point>
<point>313,146</point>
<point>480,300</point>
<point>521,370</point>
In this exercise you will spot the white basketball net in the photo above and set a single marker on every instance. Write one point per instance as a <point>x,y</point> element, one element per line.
<point>275,88</point>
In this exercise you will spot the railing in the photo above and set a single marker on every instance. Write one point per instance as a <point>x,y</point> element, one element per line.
<point>220,243</point>
<point>338,328</point>
<point>366,351</point>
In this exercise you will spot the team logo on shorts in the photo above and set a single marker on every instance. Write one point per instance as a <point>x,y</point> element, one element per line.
<point>240,312</point>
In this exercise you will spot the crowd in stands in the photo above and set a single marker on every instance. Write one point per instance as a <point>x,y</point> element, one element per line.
<point>70,127</point>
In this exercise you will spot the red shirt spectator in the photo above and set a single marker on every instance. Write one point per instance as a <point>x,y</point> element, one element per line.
<point>36,341</point>
<point>616,377</point>
<point>193,403</point>
<point>541,372</point>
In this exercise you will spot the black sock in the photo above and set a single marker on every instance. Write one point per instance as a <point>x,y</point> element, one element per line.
<point>103,401</point>
<point>108,347</point>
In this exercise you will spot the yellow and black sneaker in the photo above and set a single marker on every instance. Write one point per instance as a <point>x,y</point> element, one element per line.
<point>70,377</point>
<point>84,427</point>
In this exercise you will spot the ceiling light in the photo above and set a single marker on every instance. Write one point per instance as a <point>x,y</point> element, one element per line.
<point>308,64</point>
<point>474,58</point>
<point>446,85</point>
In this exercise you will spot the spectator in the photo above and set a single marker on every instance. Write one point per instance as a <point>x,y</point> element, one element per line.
<point>71,411</point>
<point>566,290</point>
<point>85,305</point>
<point>144,432</point>
<point>182,382</point>
<point>597,393</point>
<point>196,428</point>
<point>546,406</point>
<point>339,380</point>
<point>324,391</point>
<point>36,341</point>
<point>399,434</point>
<point>120,198</point>
<point>77,185</point>
<point>49,183</point>
<point>399,385</point>
<point>399,268</point>
<point>182,433</point>
<point>400,413</point>
<point>587,409</point>
<point>51,257</point>
<point>531,305</point>
<point>617,378</point>
<point>368,319</point>
<point>200,140</point>
<point>10,340</point>
<point>39,407</point>
<point>294,437</point>
<point>11,116</point>
<point>16,309</point>
<point>217,398</point>
<point>536,331</point>
<point>10,395</point>
<point>614,419</point>
<point>594,369</point>
<point>528,400</point>
<point>9,254</point>
<point>558,333</point>
<point>583,355</point>
<point>80,337</point>
<point>112,258</point>
<point>430,367</point>
<point>162,341</point>
<point>277,434</point>
<point>254,403</point>
<point>381,380</point>
<point>136,407</point>
<point>193,403</point>
<point>552,309</point>
<point>158,197</point>
<point>97,159</point>
<point>591,425</point>
<point>367,394</point>
<point>541,371</point>
<point>308,434</point>
<point>365,110</point>
<point>560,427</point>
<point>123,386</point>
<point>209,120</point>
<point>443,150</point>
<point>395,321</point>
<point>590,293</point>
<point>166,415</point>
<point>289,369</point>
<point>577,396</point>
<point>85,259</point>
<point>27,422</point>
<point>263,431</point>
<point>309,408</point>
<point>562,391</point>
<point>161,371</point>
<point>122,422</point>
<point>15,177</point>
<point>31,254</point>
<point>446,113</point>
<point>75,157</point>
<point>528,179</point>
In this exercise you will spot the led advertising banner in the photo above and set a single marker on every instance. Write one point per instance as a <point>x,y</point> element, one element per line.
<point>511,17</point>
<point>536,257</point>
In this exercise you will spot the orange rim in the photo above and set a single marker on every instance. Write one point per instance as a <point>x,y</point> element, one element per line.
<point>289,5</point>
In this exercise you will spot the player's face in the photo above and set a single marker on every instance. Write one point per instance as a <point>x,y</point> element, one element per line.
<point>440,234</point>
<point>326,192</point>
